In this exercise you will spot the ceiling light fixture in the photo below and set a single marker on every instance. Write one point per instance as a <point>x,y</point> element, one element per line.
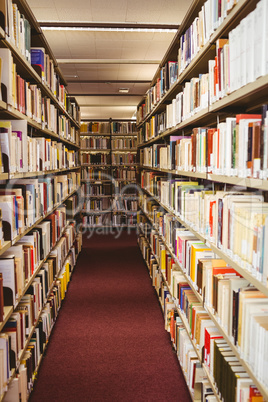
<point>107,29</point>
<point>124,90</point>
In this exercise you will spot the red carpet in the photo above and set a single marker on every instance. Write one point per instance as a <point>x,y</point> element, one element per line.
<point>109,342</point>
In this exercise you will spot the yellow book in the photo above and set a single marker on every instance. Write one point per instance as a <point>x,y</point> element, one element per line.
<point>163,259</point>
<point>198,251</point>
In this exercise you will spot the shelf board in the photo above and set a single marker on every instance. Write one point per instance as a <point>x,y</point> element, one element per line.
<point>5,247</point>
<point>22,175</point>
<point>95,150</point>
<point>250,93</point>
<point>89,134</point>
<point>198,175</point>
<point>124,135</point>
<point>98,196</point>
<point>237,181</point>
<point>115,151</point>
<point>125,165</point>
<point>9,111</point>
<point>122,180</point>
<point>95,166</point>
<point>95,180</point>
<point>39,220</point>
<point>246,274</point>
<point>206,53</point>
<point>3,176</point>
<point>95,212</point>
<point>8,310</point>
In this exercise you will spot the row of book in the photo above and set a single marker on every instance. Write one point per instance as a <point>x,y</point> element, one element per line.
<point>91,173</point>
<point>97,220</point>
<point>193,98</point>
<point>237,62</point>
<point>240,61</point>
<point>20,262</point>
<point>73,205</point>
<point>72,108</point>
<point>95,142</point>
<point>94,189</point>
<point>124,204</point>
<point>123,219</point>
<point>124,187</point>
<point>123,127</point>
<point>178,298</point>
<point>223,291</point>
<point>25,201</point>
<point>94,205</point>
<point>114,127</point>
<point>110,219</point>
<point>128,173</point>
<point>16,27</point>
<point>98,158</point>
<point>44,67</point>
<point>235,222</point>
<point>34,317</point>
<point>237,147</point>
<point>18,31</point>
<point>27,98</point>
<point>120,143</point>
<point>209,18</point>
<point>168,77</point>
<point>124,158</point>
<point>21,153</point>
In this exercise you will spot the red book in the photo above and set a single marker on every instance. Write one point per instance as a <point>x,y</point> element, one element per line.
<point>208,338</point>
<point>1,298</point>
<point>210,133</point>
<point>211,204</point>
<point>247,116</point>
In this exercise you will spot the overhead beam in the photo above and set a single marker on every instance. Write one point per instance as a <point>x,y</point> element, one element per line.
<point>107,81</point>
<point>107,25</point>
<point>117,94</point>
<point>106,61</point>
<point>101,105</point>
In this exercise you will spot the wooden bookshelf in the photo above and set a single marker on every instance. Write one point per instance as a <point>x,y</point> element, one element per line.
<point>67,110</point>
<point>261,387</point>
<point>111,168</point>
<point>247,99</point>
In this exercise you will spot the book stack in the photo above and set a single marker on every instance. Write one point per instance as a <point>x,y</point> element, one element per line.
<point>94,142</point>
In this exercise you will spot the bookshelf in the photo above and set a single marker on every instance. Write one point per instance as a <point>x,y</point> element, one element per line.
<point>185,185</point>
<point>109,188</point>
<point>39,196</point>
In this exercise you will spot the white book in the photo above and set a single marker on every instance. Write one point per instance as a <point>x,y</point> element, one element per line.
<point>258,31</point>
<point>243,45</point>
<point>7,268</point>
<point>232,59</point>
<point>249,42</point>
<point>4,348</point>
<point>238,56</point>
<point>6,76</point>
<point>264,42</point>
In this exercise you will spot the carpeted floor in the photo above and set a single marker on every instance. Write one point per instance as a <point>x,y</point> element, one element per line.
<point>109,342</point>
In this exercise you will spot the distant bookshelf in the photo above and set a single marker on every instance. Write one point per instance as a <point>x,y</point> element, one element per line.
<point>113,168</point>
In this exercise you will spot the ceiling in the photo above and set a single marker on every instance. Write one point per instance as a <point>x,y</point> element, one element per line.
<point>96,64</point>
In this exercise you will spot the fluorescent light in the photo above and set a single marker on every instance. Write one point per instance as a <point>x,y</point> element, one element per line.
<point>100,29</point>
<point>124,90</point>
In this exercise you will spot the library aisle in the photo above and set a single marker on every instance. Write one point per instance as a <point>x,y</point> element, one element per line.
<point>109,341</point>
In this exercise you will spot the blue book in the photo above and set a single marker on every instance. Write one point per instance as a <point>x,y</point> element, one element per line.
<point>38,60</point>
